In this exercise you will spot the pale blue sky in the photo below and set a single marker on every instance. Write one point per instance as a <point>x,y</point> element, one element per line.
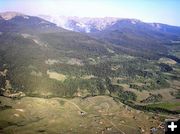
<point>163,11</point>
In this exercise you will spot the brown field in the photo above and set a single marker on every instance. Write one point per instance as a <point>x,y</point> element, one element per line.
<point>92,115</point>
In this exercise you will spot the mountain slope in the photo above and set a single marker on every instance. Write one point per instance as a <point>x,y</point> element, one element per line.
<point>17,22</point>
<point>91,25</point>
<point>141,31</point>
<point>77,24</point>
<point>33,52</point>
<point>132,35</point>
<point>42,59</point>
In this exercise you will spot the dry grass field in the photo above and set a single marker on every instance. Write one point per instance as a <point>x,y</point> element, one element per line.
<point>92,115</point>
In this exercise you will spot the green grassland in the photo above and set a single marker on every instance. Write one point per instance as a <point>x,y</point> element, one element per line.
<point>167,105</point>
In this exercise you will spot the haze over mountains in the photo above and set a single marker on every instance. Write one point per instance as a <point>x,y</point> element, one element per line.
<point>126,35</point>
<point>89,25</point>
<point>131,33</point>
<point>94,25</point>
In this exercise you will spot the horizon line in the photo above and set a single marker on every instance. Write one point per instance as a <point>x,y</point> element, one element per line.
<point>101,17</point>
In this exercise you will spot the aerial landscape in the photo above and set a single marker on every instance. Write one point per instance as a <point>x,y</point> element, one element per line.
<point>64,69</point>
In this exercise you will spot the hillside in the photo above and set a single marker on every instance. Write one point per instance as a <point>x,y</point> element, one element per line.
<point>134,66</point>
<point>30,47</point>
<point>132,35</point>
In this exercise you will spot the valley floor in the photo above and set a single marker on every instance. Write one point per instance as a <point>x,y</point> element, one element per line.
<point>100,114</point>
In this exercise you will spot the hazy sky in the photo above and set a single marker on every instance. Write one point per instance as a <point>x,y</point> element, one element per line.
<point>164,11</point>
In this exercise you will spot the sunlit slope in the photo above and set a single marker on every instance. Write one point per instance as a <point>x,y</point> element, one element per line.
<point>57,115</point>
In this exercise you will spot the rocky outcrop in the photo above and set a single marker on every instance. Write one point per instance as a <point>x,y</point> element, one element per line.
<point>13,95</point>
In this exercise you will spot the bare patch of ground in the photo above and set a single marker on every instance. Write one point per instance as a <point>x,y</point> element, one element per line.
<point>51,61</point>
<point>74,61</point>
<point>37,41</point>
<point>167,61</point>
<point>110,50</point>
<point>55,75</point>
<point>88,77</point>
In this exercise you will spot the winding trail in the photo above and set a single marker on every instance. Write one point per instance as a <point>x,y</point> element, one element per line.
<point>72,104</point>
<point>107,113</point>
<point>122,132</point>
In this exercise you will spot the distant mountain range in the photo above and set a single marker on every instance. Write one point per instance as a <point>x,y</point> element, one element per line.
<point>90,25</point>
<point>77,24</point>
<point>131,36</point>
<point>131,33</point>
